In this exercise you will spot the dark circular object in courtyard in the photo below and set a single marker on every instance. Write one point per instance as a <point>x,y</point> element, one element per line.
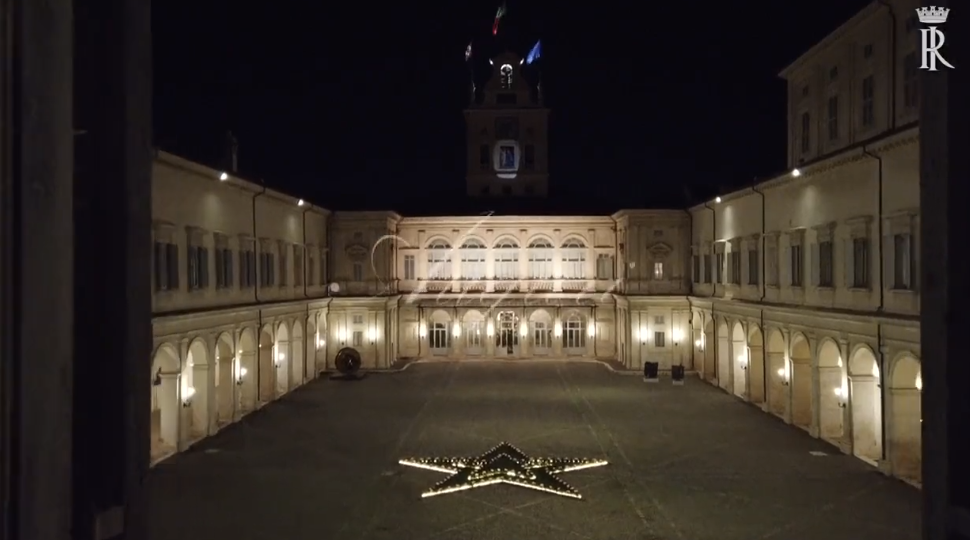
<point>347,361</point>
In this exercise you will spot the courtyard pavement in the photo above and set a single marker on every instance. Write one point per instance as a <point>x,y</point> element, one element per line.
<point>685,463</point>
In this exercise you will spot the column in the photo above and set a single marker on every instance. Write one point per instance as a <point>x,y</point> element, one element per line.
<point>786,380</point>
<point>112,195</point>
<point>813,428</point>
<point>37,263</point>
<point>944,170</point>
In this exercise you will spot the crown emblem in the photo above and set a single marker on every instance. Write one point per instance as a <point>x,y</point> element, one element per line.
<point>932,15</point>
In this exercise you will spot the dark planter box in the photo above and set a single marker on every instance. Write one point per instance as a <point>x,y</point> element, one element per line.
<point>677,374</point>
<point>651,370</point>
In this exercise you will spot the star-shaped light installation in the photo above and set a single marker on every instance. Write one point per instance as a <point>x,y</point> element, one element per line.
<point>504,464</point>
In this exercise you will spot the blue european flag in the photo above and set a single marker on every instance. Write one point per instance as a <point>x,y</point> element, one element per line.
<point>535,53</point>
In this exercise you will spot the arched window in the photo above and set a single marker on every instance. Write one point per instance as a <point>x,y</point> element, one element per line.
<point>573,259</point>
<point>540,259</point>
<point>473,259</point>
<point>507,260</point>
<point>439,260</point>
<point>574,334</point>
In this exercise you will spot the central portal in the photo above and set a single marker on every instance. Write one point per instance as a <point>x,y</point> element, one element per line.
<point>507,336</point>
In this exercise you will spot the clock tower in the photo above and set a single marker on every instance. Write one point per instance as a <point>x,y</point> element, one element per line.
<point>507,134</point>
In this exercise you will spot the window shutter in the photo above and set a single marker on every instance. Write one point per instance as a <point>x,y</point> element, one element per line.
<point>227,255</point>
<point>786,269</point>
<point>172,261</point>
<point>888,278</point>
<point>729,267</point>
<point>847,263</point>
<point>159,267</point>
<point>204,264</point>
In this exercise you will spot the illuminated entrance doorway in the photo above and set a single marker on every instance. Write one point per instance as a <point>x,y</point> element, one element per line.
<point>507,334</point>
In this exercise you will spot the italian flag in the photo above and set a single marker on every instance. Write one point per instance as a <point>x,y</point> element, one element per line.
<point>498,16</point>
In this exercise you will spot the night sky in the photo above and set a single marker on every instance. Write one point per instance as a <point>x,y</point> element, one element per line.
<point>359,105</point>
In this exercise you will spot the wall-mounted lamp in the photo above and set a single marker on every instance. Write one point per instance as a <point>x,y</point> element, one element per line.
<point>796,173</point>
<point>187,394</point>
<point>372,334</point>
<point>557,329</point>
<point>643,334</point>
<point>783,374</point>
<point>239,376</point>
<point>342,335</point>
<point>875,374</point>
<point>223,177</point>
<point>456,330</point>
<point>490,329</point>
<point>300,202</point>
<point>422,330</point>
<point>919,382</point>
<point>320,341</point>
<point>743,361</point>
<point>840,394</point>
<point>717,200</point>
<point>678,336</point>
<point>591,329</point>
<point>523,329</point>
<point>280,357</point>
<point>157,380</point>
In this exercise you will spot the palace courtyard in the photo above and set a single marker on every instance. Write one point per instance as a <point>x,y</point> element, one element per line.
<point>685,463</point>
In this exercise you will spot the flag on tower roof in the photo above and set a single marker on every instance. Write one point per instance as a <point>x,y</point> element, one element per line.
<point>535,53</point>
<point>499,13</point>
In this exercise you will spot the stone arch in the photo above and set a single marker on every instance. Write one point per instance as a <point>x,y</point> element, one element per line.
<point>906,418</point>
<point>709,370</point>
<point>756,364</point>
<point>298,348</point>
<point>224,378</point>
<point>247,370</point>
<point>739,359</point>
<point>506,241</point>
<point>283,358</point>
<point>438,241</point>
<point>800,380</point>
<point>540,240</point>
<point>439,332</point>
<point>723,360</point>
<point>165,401</point>
<point>865,402</point>
<point>474,328</point>
<point>574,240</point>
<point>777,370</point>
<point>266,365</point>
<point>833,391</point>
<point>195,387</point>
<point>541,326</point>
<point>575,328</point>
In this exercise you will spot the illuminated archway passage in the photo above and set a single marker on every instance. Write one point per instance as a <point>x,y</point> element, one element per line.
<point>504,464</point>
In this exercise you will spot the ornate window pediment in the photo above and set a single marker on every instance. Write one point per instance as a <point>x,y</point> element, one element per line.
<point>659,250</point>
<point>356,252</point>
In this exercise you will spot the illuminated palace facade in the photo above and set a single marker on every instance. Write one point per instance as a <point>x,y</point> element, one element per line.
<point>798,295</point>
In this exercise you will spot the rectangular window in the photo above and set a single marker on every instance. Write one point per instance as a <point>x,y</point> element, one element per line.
<point>754,265</point>
<point>771,261</point>
<point>902,262</point>
<point>224,268</point>
<point>604,266</point>
<point>868,101</point>
<point>484,157</point>
<point>659,339</point>
<point>658,271</point>
<point>529,157</point>
<point>658,320</point>
<point>358,338</point>
<point>910,81</point>
<point>860,263</point>
<point>707,268</point>
<point>247,265</point>
<point>311,266</point>
<point>409,267</point>
<point>735,259</point>
<point>267,269</point>
<point>506,257</point>
<point>573,261</point>
<point>358,319</point>
<point>166,255</point>
<point>826,264</point>
<point>297,266</point>
<point>833,123</point>
<point>197,266</point>
<point>284,266</point>
<point>696,268</point>
<point>358,271</point>
<point>797,266</point>
<point>806,133</point>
